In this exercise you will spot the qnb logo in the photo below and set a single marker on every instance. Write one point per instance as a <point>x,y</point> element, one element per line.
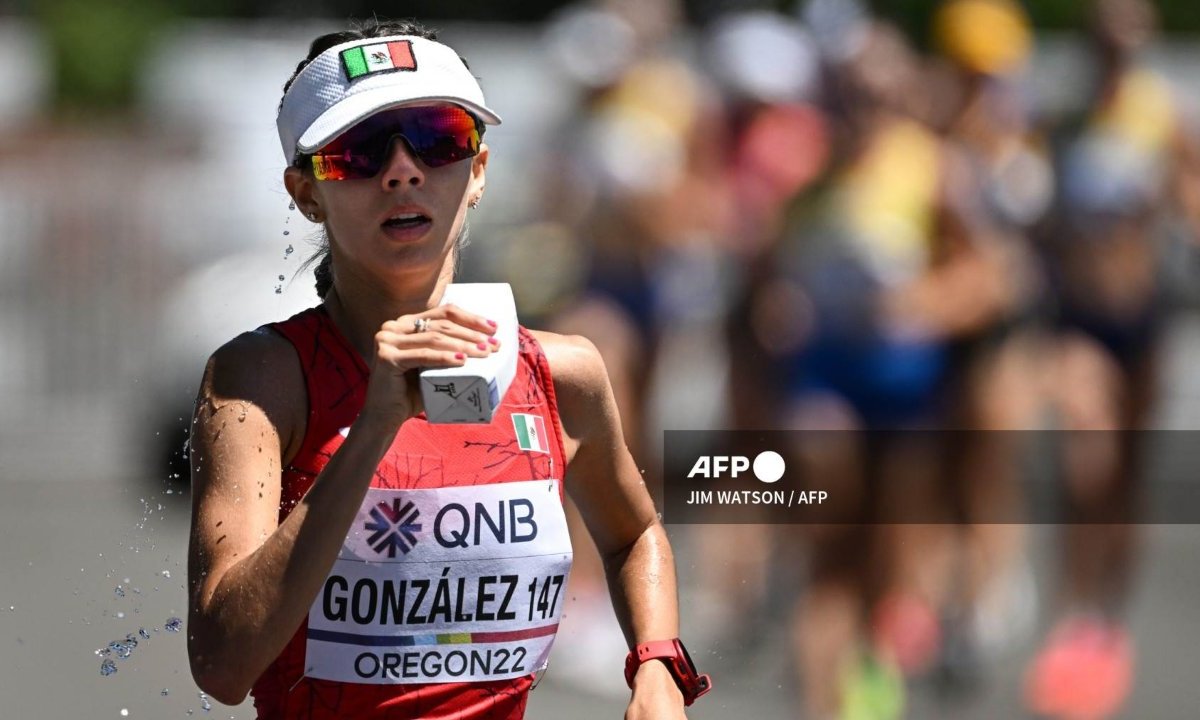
<point>768,466</point>
<point>393,526</point>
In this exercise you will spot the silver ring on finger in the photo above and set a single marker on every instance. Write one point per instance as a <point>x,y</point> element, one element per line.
<point>420,325</point>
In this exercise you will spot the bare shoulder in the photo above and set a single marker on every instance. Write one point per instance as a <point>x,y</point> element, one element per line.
<point>260,369</point>
<point>585,399</point>
<point>574,361</point>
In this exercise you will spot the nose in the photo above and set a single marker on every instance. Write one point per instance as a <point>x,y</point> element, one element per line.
<point>402,166</point>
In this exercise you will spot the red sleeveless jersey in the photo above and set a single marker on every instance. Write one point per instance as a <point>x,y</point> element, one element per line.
<point>447,593</point>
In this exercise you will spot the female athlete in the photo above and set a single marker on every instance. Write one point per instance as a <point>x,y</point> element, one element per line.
<point>348,558</point>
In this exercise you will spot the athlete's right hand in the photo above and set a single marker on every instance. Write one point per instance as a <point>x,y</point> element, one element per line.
<point>451,336</point>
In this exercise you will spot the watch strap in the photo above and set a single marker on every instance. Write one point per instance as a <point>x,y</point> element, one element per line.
<point>690,683</point>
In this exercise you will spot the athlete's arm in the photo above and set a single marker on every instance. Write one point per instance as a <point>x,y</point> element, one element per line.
<point>1185,176</point>
<point>253,579</point>
<point>974,270</point>
<point>606,485</point>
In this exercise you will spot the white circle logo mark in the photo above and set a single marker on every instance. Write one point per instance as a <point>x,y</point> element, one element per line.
<point>768,466</point>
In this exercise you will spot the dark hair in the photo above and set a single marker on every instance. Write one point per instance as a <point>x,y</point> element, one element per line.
<point>364,30</point>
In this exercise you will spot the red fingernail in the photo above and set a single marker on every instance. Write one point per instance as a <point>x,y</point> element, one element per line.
<point>493,341</point>
<point>459,356</point>
<point>492,323</point>
<point>481,346</point>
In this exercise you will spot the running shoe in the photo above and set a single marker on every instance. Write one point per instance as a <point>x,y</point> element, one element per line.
<point>1083,672</point>
<point>907,629</point>
<point>872,689</point>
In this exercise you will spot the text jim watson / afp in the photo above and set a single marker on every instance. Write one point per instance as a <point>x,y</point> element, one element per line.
<point>788,498</point>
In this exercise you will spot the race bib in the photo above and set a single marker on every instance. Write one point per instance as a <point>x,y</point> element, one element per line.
<point>453,584</point>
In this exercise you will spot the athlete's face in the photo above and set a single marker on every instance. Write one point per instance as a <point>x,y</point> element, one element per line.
<point>401,224</point>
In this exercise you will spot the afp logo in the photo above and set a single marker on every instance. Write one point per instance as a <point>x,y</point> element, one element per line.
<point>768,466</point>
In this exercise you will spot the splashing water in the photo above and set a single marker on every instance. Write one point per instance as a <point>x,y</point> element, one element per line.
<point>108,667</point>
<point>173,625</point>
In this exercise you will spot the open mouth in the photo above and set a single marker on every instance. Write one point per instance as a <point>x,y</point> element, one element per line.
<point>407,221</point>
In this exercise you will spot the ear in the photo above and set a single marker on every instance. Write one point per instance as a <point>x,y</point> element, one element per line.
<point>478,173</point>
<point>302,187</point>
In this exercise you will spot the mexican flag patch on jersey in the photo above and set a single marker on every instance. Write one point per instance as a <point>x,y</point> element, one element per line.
<point>367,59</point>
<point>531,432</point>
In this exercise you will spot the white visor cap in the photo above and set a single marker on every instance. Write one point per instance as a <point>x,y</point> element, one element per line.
<point>352,81</point>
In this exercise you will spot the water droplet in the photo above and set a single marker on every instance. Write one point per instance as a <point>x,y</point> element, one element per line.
<point>289,251</point>
<point>205,706</point>
<point>166,574</point>
<point>120,616</point>
<point>165,692</point>
<point>145,635</point>
<point>292,205</point>
<point>131,640</point>
<point>108,667</point>
<point>278,289</point>
<point>282,278</point>
<point>14,607</point>
<point>119,591</point>
<point>124,712</point>
<point>173,625</point>
<point>287,232</point>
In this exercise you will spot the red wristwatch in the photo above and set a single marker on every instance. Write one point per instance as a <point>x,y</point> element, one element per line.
<point>675,656</point>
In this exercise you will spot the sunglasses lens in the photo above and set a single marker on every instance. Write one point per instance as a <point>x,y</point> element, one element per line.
<point>437,135</point>
<point>442,135</point>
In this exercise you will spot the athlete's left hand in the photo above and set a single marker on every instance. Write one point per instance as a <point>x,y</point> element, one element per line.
<point>655,694</point>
